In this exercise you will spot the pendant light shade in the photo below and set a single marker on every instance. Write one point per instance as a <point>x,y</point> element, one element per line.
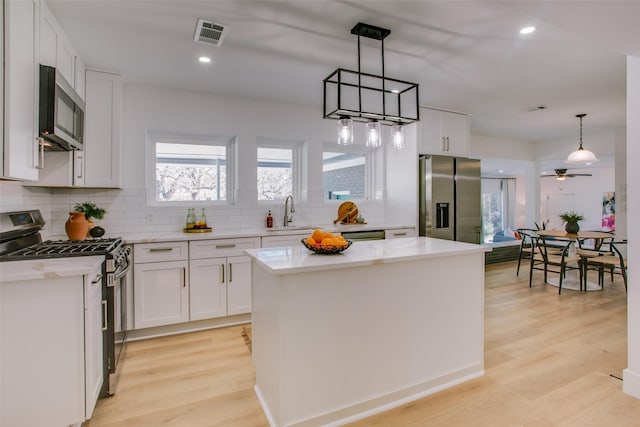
<point>345,131</point>
<point>374,138</point>
<point>397,136</point>
<point>581,155</point>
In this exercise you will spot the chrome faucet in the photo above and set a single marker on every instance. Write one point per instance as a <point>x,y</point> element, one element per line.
<point>287,218</point>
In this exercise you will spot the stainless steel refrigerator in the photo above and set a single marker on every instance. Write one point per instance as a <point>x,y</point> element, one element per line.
<point>449,201</point>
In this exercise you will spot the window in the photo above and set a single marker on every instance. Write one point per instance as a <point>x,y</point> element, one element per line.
<point>278,169</point>
<point>497,206</point>
<point>348,172</point>
<point>186,168</point>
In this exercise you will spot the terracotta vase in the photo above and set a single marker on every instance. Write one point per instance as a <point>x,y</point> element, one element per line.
<point>76,226</point>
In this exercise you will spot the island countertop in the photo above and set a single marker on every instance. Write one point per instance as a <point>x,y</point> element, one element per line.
<point>298,259</point>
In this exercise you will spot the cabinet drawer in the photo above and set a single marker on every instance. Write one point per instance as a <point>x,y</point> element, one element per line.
<point>221,247</point>
<point>157,252</point>
<point>399,232</point>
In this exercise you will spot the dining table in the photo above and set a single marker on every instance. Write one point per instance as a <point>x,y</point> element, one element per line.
<point>572,279</point>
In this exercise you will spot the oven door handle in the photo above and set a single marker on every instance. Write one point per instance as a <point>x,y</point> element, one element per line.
<point>122,271</point>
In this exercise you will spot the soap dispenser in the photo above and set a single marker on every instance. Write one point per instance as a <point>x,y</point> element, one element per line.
<point>269,220</point>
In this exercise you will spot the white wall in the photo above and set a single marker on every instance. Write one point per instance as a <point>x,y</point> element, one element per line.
<point>631,375</point>
<point>158,109</point>
<point>586,193</point>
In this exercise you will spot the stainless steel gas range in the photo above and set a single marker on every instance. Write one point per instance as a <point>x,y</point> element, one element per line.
<point>20,239</point>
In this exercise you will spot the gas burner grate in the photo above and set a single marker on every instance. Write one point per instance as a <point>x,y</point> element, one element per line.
<point>65,248</point>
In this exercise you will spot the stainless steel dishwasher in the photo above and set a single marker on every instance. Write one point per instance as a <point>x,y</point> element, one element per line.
<point>364,235</point>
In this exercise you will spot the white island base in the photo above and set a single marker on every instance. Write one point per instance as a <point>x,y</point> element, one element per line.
<point>341,337</point>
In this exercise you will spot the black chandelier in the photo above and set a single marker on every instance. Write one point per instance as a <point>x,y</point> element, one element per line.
<point>356,96</point>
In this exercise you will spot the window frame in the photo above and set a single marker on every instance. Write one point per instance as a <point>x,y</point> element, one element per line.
<point>371,159</point>
<point>230,144</point>
<point>297,165</point>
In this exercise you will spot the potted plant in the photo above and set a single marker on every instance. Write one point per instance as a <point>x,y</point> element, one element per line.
<point>571,219</point>
<point>91,210</point>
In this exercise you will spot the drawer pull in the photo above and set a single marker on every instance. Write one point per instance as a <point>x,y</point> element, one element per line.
<point>152,250</point>
<point>230,245</point>
<point>399,234</point>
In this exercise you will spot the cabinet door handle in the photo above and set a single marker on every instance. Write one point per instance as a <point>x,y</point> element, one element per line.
<point>222,271</point>
<point>227,246</point>
<point>160,249</point>
<point>105,321</point>
<point>230,272</point>
<point>447,143</point>
<point>184,277</point>
<point>442,144</point>
<point>39,153</point>
<point>81,174</point>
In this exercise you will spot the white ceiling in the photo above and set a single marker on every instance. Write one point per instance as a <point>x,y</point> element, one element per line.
<point>466,55</point>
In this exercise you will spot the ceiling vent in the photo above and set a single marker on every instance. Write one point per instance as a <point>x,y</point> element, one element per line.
<point>209,32</point>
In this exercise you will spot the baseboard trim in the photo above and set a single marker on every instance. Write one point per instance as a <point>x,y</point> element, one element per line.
<point>378,404</point>
<point>631,383</point>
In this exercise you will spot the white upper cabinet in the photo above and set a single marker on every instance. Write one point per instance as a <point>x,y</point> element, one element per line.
<point>103,136</point>
<point>443,133</point>
<point>20,153</point>
<point>57,51</point>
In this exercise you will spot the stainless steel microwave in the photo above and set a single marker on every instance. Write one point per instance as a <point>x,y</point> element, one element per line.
<point>61,119</point>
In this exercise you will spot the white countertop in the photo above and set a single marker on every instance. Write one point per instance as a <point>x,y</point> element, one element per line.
<point>178,235</point>
<point>298,259</point>
<point>50,268</point>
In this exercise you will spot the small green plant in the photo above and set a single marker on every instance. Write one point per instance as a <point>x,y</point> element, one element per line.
<point>90,210</point>
<point>571,217</point>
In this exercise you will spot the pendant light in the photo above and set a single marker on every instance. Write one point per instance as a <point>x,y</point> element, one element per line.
<point>397,136</point>
<point>581,155</point>
<point>345,131</point>
<point>374,138</point>
<point>368,98</point>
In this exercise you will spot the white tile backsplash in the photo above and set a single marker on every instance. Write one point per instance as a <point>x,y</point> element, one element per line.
<point>127,211</point>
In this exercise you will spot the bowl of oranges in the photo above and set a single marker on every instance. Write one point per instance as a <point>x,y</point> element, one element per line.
<point>325,243</point>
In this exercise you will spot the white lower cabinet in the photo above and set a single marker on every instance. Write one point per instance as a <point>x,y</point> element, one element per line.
<point>177,282</point>
<point>51,353</point>
<point>220,277</point>
<point>161,293</point>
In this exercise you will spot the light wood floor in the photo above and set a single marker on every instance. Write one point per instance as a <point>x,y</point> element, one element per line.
<point>548,361</point>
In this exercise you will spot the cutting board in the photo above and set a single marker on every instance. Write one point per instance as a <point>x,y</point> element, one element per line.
<point>347,213</point>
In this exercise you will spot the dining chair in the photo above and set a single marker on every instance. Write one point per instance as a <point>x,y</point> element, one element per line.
<point>593,247</point>
<point>614,260</point>
<point>528,237</point>
<point>557,259</point>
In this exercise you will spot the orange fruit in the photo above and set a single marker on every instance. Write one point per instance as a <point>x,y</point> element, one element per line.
<point>318,235</point>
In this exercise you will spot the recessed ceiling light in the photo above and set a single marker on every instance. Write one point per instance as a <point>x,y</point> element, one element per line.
<point>395,91</point>
<point>527,30</point>
<point>500,171</point>
<point>204,59</point>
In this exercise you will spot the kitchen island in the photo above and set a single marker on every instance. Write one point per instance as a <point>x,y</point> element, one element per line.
<point>341,337</point>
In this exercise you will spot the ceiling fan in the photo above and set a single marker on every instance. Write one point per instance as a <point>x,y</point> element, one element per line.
<point>561,175</point>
